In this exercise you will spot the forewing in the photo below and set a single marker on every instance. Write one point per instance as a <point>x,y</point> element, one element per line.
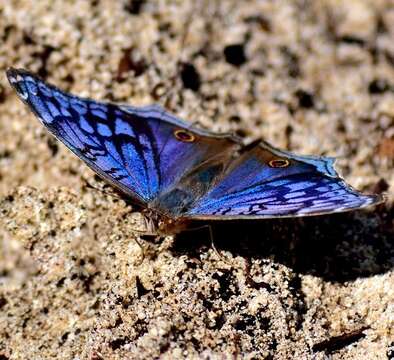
<point>254,188</point>
<point>136,149</point>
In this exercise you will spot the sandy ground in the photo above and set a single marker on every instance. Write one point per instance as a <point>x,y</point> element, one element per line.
<point>315,77</point>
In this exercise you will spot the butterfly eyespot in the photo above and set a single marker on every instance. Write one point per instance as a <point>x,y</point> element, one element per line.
<point>279,163</point>
<point>184,136</point>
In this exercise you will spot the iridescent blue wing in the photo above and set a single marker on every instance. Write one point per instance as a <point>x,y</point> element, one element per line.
<point>142,151</point>
<point>182,171</point>
<point>266,182</point>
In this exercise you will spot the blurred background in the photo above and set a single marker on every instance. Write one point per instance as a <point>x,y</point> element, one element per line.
<point>313,77</point>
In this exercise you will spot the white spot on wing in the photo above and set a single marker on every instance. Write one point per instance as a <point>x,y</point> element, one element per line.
<point>12,80</point>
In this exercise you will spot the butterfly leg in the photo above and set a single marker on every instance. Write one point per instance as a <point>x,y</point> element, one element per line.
<point>221,257</point>
<point>211,238</point>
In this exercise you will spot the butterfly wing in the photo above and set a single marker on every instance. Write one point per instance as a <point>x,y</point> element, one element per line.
<point>141,151</point>
<point>266,182</point>
<point>182,171</point>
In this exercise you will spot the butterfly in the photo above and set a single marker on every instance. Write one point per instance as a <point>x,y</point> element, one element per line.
<point>178,172</point>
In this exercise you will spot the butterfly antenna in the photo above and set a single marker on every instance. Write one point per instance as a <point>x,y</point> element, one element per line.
<point>211,237</point>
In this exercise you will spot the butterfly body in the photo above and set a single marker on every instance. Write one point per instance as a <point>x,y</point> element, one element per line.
<point>178,172</point>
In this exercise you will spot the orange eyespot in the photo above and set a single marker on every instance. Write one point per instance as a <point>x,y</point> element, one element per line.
<point>279,163</point>
<point>184,136</point>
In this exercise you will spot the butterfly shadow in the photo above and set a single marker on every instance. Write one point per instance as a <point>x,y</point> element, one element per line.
<point>338,247</point>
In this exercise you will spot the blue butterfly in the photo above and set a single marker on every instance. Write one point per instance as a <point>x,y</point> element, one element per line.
<point>180,173</point>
